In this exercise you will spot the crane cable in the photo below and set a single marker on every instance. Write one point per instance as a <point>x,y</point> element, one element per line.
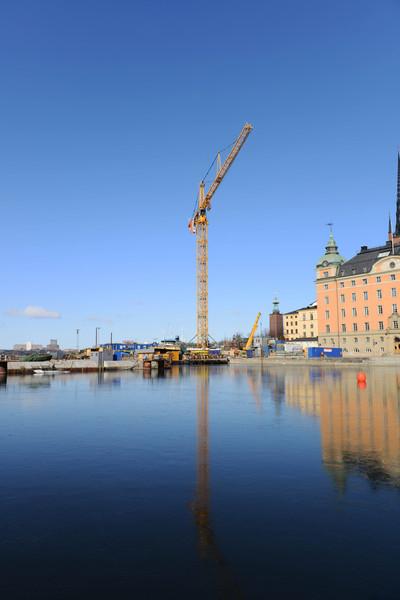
<point>208,170</point>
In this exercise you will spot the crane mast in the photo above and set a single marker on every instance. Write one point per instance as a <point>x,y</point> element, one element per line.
<point>199,225</point>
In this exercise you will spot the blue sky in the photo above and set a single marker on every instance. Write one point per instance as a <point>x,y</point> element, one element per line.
<point>112,110</point>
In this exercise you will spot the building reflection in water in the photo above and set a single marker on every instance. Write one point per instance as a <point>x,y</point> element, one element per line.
<point>360,425</point>
<point>201,506</point>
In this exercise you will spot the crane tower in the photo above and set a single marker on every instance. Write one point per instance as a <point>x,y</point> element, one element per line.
<point>198,224</point>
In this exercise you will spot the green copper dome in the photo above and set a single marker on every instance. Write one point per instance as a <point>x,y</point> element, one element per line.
<point>331,256</point>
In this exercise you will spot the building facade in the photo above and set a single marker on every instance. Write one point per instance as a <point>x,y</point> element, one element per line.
<point>359,299</point>
<point>301,323</point>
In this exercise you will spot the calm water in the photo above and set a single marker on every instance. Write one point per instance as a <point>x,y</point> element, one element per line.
<point>228,482</point>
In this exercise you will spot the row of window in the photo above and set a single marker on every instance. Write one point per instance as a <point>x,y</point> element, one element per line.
<point>344,340</point>
<point>366,326</point>
<point>378,279</point>
<point>354,311</point>
<point>393,293</point>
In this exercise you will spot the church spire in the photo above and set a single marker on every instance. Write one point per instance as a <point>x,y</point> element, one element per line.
<point>390,227</point>
<point>397,230</point>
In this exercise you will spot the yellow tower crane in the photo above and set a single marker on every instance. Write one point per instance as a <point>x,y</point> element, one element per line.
<point>198,224</point>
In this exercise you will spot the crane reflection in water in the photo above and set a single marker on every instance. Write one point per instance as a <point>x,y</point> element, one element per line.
<point>201,506</point>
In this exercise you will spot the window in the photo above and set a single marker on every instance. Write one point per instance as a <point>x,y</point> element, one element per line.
<point>311,317</point>
<point>326,299</point>
<point>396,324</point>
<point>354,297</point>
<point>327,329</point>
<point>356,349</point>
<point>304,317</point>
<point>393,277</point>
<point>341,284</point>
<point>355,328</point>
<point>366,311</point>
<point>380,309</point>
<point>343,313</point>
<point>326,274</point>
<point>379,293</point>
<point>327,314</point>
<point>382,349</point>
<point>304,326</point>
<point>394,292</point>
<point>353,282</point>
<point>365,295</point>
<point>368,339</point>
<point>343,328</point>
<point>380,325</point>
<point>326,286</point>
<point>354,312</point>
<point>344,339</point>
<point>366,326</point>
<point>394,308</point>
<point>382,339</point>
<point>365,281</point>
<point>355,340</point>
<point>341,297</point>
<point>378,279</point>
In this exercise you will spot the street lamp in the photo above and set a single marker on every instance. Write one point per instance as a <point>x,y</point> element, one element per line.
<point>97,329</point>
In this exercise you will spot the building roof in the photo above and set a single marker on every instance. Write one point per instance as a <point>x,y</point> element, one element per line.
<point>312,306</point>
<point>331,256</point>
<point>365,259</point>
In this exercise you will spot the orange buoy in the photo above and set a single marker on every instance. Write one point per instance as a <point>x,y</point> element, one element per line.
<point>361,377</point>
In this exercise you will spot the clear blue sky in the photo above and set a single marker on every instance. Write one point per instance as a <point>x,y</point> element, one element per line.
<point>112,110</point>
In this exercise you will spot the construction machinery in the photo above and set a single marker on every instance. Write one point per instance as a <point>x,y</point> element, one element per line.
<point>198,224</point>
<point>249,343</point>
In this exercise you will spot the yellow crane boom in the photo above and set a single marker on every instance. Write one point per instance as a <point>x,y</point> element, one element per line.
<point>199,225</point>
<point>253,331</point>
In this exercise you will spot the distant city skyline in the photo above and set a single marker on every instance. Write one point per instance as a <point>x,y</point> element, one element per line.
<point>111,114</point>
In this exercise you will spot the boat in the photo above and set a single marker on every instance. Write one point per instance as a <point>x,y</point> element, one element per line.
<point>49,372</point>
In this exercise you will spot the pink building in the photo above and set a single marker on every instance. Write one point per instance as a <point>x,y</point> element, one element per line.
<point>359,299</point>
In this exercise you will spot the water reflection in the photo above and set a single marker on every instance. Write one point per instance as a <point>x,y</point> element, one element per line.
<point>208,548</point>
<point>360,425</point>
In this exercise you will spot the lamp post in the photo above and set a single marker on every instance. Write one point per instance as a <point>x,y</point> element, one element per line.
<point>97,329</point>
<point>77,340</point>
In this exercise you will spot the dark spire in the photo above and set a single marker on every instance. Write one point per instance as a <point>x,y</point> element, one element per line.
<point>390,227</point>
<point>397,231</point>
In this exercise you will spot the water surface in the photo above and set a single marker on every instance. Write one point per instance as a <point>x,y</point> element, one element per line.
<point>223,482</point>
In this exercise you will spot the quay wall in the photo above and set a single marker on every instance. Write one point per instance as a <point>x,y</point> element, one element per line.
<point>75,366</point>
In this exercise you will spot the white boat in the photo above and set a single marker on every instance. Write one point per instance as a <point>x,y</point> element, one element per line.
<point>49,372</point>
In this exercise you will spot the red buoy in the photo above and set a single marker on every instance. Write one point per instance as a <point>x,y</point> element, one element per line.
<point>361,377</point>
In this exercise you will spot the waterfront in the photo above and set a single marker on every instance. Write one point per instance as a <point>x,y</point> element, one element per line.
<point>219,482</point>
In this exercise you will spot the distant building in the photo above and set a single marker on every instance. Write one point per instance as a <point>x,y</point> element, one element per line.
<point>27,347</point>
<point>52,346</point>
<point>301,323</point>
<point>358,298</point>
<point>276,321</point>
